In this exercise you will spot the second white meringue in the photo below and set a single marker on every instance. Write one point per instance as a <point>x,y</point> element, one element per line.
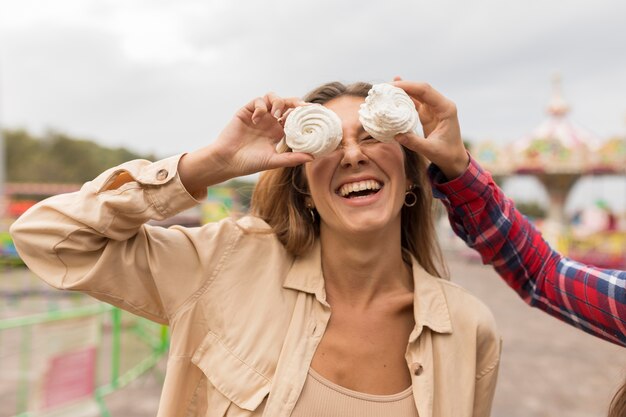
<point>387,111</point>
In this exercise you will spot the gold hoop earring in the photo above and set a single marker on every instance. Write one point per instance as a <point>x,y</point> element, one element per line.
<point>311,209</point>
<point>410,199</point>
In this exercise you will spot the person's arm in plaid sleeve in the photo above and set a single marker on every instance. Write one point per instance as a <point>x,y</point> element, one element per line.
<point>586,297</point>
<point>589,298</point>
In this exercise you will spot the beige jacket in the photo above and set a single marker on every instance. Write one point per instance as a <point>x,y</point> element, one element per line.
<point>245,316</point>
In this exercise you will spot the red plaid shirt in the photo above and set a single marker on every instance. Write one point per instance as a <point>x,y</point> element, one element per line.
<point>586,297</point>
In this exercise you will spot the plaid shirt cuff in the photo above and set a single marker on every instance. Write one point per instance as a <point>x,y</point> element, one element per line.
<point>471,185</point>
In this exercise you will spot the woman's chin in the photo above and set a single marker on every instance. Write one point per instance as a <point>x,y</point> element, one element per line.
<point>367,222</point>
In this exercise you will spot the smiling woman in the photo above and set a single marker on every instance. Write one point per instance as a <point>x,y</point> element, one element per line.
<point>326,300</point>
<point>292,222</point>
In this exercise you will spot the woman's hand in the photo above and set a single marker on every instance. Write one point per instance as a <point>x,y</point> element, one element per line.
<point>442,143</point>
<point>246,145</point>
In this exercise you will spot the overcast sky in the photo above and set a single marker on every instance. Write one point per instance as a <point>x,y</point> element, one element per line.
<point>165,76</point>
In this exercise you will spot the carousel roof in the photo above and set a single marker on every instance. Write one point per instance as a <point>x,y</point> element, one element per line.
<point>557,144</point>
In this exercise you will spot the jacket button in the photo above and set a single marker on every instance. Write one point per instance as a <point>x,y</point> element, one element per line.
<point>417,369</point>
<point>161,174</point>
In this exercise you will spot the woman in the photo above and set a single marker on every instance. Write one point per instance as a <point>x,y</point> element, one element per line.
<point>249,302</point>
<point>586,297</point>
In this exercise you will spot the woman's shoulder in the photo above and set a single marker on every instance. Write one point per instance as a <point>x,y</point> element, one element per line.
<point>246,230</point>
<point>466,312</point>
<point>229,231</point>
<point>455,290</point>
<point>253,223</point>
<point>467,308</point>
<point>235,224</point>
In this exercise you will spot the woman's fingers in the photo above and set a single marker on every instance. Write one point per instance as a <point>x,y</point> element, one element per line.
<point>284,116</point>
<point>279,105</point>
<point>276,104</point>
<point>259,109</point>
<point>427,119</point>
<point>293,102</point>
<point>289,159</point>
<point>413,142</point>
<point>426,94</point>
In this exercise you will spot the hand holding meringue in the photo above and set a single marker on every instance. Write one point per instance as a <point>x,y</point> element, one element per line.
<point>313,129</point>
<point>387,111</point>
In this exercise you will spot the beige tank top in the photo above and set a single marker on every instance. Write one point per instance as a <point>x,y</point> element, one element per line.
<point>321,397</point>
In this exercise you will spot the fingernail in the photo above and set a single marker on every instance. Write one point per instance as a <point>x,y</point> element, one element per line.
<point>277,114</point>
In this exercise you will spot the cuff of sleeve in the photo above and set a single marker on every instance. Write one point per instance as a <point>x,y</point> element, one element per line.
<point>164,187</point>
<point>472,184</point>
<point>160,183</point>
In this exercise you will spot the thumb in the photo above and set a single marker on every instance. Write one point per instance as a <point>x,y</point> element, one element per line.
<point>290,159</point>
<point>413,142</point>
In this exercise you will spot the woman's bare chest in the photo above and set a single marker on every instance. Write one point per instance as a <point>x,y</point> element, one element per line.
<point>365,351</point>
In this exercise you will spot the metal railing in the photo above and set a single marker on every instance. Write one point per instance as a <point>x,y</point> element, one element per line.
<point>34,347</point>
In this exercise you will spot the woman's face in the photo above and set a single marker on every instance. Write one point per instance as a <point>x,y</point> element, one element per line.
<point>360,186</point>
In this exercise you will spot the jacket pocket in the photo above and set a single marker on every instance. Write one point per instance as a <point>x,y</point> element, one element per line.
<point>230,375</point>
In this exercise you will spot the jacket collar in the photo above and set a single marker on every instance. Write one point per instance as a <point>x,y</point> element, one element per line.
<point>430,307</point>
<point>305,274</point>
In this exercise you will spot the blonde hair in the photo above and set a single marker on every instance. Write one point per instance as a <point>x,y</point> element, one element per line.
<point>280,196</point>
<point>618,404</point>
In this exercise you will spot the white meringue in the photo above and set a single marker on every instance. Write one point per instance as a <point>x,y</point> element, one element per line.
<point>387,111</point>
<point>313,129</point>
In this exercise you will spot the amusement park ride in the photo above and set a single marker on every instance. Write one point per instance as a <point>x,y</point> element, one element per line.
<point>558,153</point>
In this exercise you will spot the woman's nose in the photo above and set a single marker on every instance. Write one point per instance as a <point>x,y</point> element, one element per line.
<point>353,155</point>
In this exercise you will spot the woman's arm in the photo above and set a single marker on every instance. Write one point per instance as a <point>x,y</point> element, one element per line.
<point>96,240</point>
<point>586,297</point>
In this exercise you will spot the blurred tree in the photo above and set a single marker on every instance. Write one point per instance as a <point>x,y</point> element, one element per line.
<point>57,157</point>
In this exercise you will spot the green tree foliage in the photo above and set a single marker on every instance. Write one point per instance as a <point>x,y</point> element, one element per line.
<point>58,158</point>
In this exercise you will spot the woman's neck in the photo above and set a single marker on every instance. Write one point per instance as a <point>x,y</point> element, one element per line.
<point>358,268</point>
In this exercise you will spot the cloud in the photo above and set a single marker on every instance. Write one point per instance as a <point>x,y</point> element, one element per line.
<point>165,76</point>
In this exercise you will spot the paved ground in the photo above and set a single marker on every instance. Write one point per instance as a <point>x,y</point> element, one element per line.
<point>548,368</point>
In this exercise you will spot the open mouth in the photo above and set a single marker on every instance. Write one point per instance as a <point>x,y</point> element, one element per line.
<point>359,189</point>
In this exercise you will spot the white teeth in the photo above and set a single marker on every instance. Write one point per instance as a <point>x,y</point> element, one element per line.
<point>352,187</point>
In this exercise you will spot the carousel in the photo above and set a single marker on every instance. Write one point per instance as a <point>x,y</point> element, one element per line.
<point>558,153</point>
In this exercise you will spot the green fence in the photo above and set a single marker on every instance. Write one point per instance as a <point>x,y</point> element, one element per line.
<point>65,362</point>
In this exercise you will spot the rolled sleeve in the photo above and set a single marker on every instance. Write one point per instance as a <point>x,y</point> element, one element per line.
<point>96,240</point>
<point>159,180</point>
